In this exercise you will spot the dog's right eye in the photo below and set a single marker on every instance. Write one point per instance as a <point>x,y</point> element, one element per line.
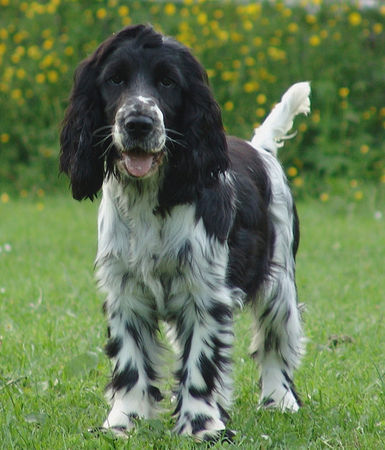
<point>116,80</point>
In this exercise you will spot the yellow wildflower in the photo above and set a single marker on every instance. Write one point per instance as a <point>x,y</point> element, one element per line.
<point>123,11</point>
<point>4,197</point>
<point>343,92</point>
<point>359,195</point>
<point>292,171</point>
<point>4,138</point>
<point>40,78</point>
<point>355,18</point>
<point>377,28</point>
<point>170,9</point>
<point>314,40</point>
<point>52,76</point>
<point>101,13</point>
<point>261,99</point>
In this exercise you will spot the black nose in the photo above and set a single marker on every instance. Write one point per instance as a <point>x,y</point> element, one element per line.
<point>138,126</point>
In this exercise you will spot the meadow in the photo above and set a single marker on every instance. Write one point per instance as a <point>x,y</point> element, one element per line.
<point>52,333</point>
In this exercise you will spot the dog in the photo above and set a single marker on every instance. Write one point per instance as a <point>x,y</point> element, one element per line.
<point>192,223</point>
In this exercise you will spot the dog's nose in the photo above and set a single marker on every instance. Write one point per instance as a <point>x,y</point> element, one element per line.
<point>139,126</point>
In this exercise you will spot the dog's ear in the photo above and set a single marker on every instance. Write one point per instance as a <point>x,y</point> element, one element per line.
<point>203,128</point>
<point>80,158</point>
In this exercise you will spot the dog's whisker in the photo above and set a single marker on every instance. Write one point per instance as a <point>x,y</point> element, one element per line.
<point>170,130</point>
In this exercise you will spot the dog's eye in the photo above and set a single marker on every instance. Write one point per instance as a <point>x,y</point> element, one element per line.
<point>116,80</point>
<point>167,82</point>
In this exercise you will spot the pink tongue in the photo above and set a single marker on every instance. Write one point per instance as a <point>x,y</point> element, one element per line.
<point>137,164</point>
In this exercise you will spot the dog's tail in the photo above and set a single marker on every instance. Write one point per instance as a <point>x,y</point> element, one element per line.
<point>273,132</point>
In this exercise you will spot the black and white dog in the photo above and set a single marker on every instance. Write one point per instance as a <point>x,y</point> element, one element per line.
<point>192,223</point>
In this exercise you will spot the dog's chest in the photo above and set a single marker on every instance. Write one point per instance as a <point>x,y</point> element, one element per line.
<point>158,245</point>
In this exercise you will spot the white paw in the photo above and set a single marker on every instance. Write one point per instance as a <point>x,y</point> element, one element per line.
<point>281,398</point>
<point>203,428</point>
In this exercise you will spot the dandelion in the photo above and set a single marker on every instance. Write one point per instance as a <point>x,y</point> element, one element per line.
<point>202,18</point>
<point>314,40</point>
<point>228,106</point>
<point>324,197</point>
<point>4,197</point>
<point>170,9</point>
<point>249,61</point>
<point>16,94</point>
<point>302,127</point>
<point>358,195</point>
<point>377,28</point>
<point>364,149</point>
<point>101,13</point>
<point>123,11</point>
<point>40,78</point>
<point>343,92</point>
<point>261,99</point>
<point>298,182</point>
<point>292,27</point>
<point>260,112</point>
<point>311,19</point>
<point>48,44</point>
<point>21,73</point>
<point>250,87</point>
<point>52,76</point>
<point>69,51</point>
<point>40,206</point>
<point>355,18</point>
<point>316,116</point>
<point>292,171</point>
<point>4,138</point>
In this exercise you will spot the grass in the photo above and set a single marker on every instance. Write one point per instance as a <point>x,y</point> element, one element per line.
<point>52,332</point>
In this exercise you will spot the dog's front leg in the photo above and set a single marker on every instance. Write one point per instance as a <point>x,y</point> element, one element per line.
<point>134,349</point>
<point>205,336</point>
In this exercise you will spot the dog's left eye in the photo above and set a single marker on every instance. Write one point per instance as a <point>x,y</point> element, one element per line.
<point>167,82</point>
<point>116,80</point>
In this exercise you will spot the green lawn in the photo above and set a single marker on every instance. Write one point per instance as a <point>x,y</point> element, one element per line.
<point>52,332</point>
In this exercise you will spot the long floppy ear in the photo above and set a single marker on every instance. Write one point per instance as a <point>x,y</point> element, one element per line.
<point>203,128</point>
<point>80,158</point>
<point>198,163</point>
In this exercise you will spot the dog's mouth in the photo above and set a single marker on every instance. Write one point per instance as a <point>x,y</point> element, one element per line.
<point>140,164</point>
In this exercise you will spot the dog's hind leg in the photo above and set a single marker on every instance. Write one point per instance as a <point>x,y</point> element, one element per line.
<point>277,343</point>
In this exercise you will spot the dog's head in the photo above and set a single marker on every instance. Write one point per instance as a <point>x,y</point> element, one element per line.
<point>140,102</point>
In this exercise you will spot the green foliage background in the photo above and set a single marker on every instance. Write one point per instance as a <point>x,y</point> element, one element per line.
<point>252,52</point>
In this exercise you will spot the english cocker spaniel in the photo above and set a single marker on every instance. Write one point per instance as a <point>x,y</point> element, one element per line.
<point>191,224</point>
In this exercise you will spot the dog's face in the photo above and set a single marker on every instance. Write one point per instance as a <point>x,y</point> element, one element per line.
<point>139,102</point>
<point>141,88</point>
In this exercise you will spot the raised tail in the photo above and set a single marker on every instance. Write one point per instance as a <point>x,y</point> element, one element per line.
<point>273,131</point>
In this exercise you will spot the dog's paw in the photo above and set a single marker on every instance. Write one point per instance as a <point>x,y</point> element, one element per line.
<point>284,400</point>
<point>120,423</point>
<point>203,428</point>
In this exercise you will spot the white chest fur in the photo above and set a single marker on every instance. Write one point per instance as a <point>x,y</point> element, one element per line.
<point>151,260</point>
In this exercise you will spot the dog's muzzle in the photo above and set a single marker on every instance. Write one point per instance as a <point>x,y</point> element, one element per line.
<point>139,135</point>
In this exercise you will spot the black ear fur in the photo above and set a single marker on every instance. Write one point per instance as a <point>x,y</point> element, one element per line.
<point>204,155</point>
<point>80,158</point>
